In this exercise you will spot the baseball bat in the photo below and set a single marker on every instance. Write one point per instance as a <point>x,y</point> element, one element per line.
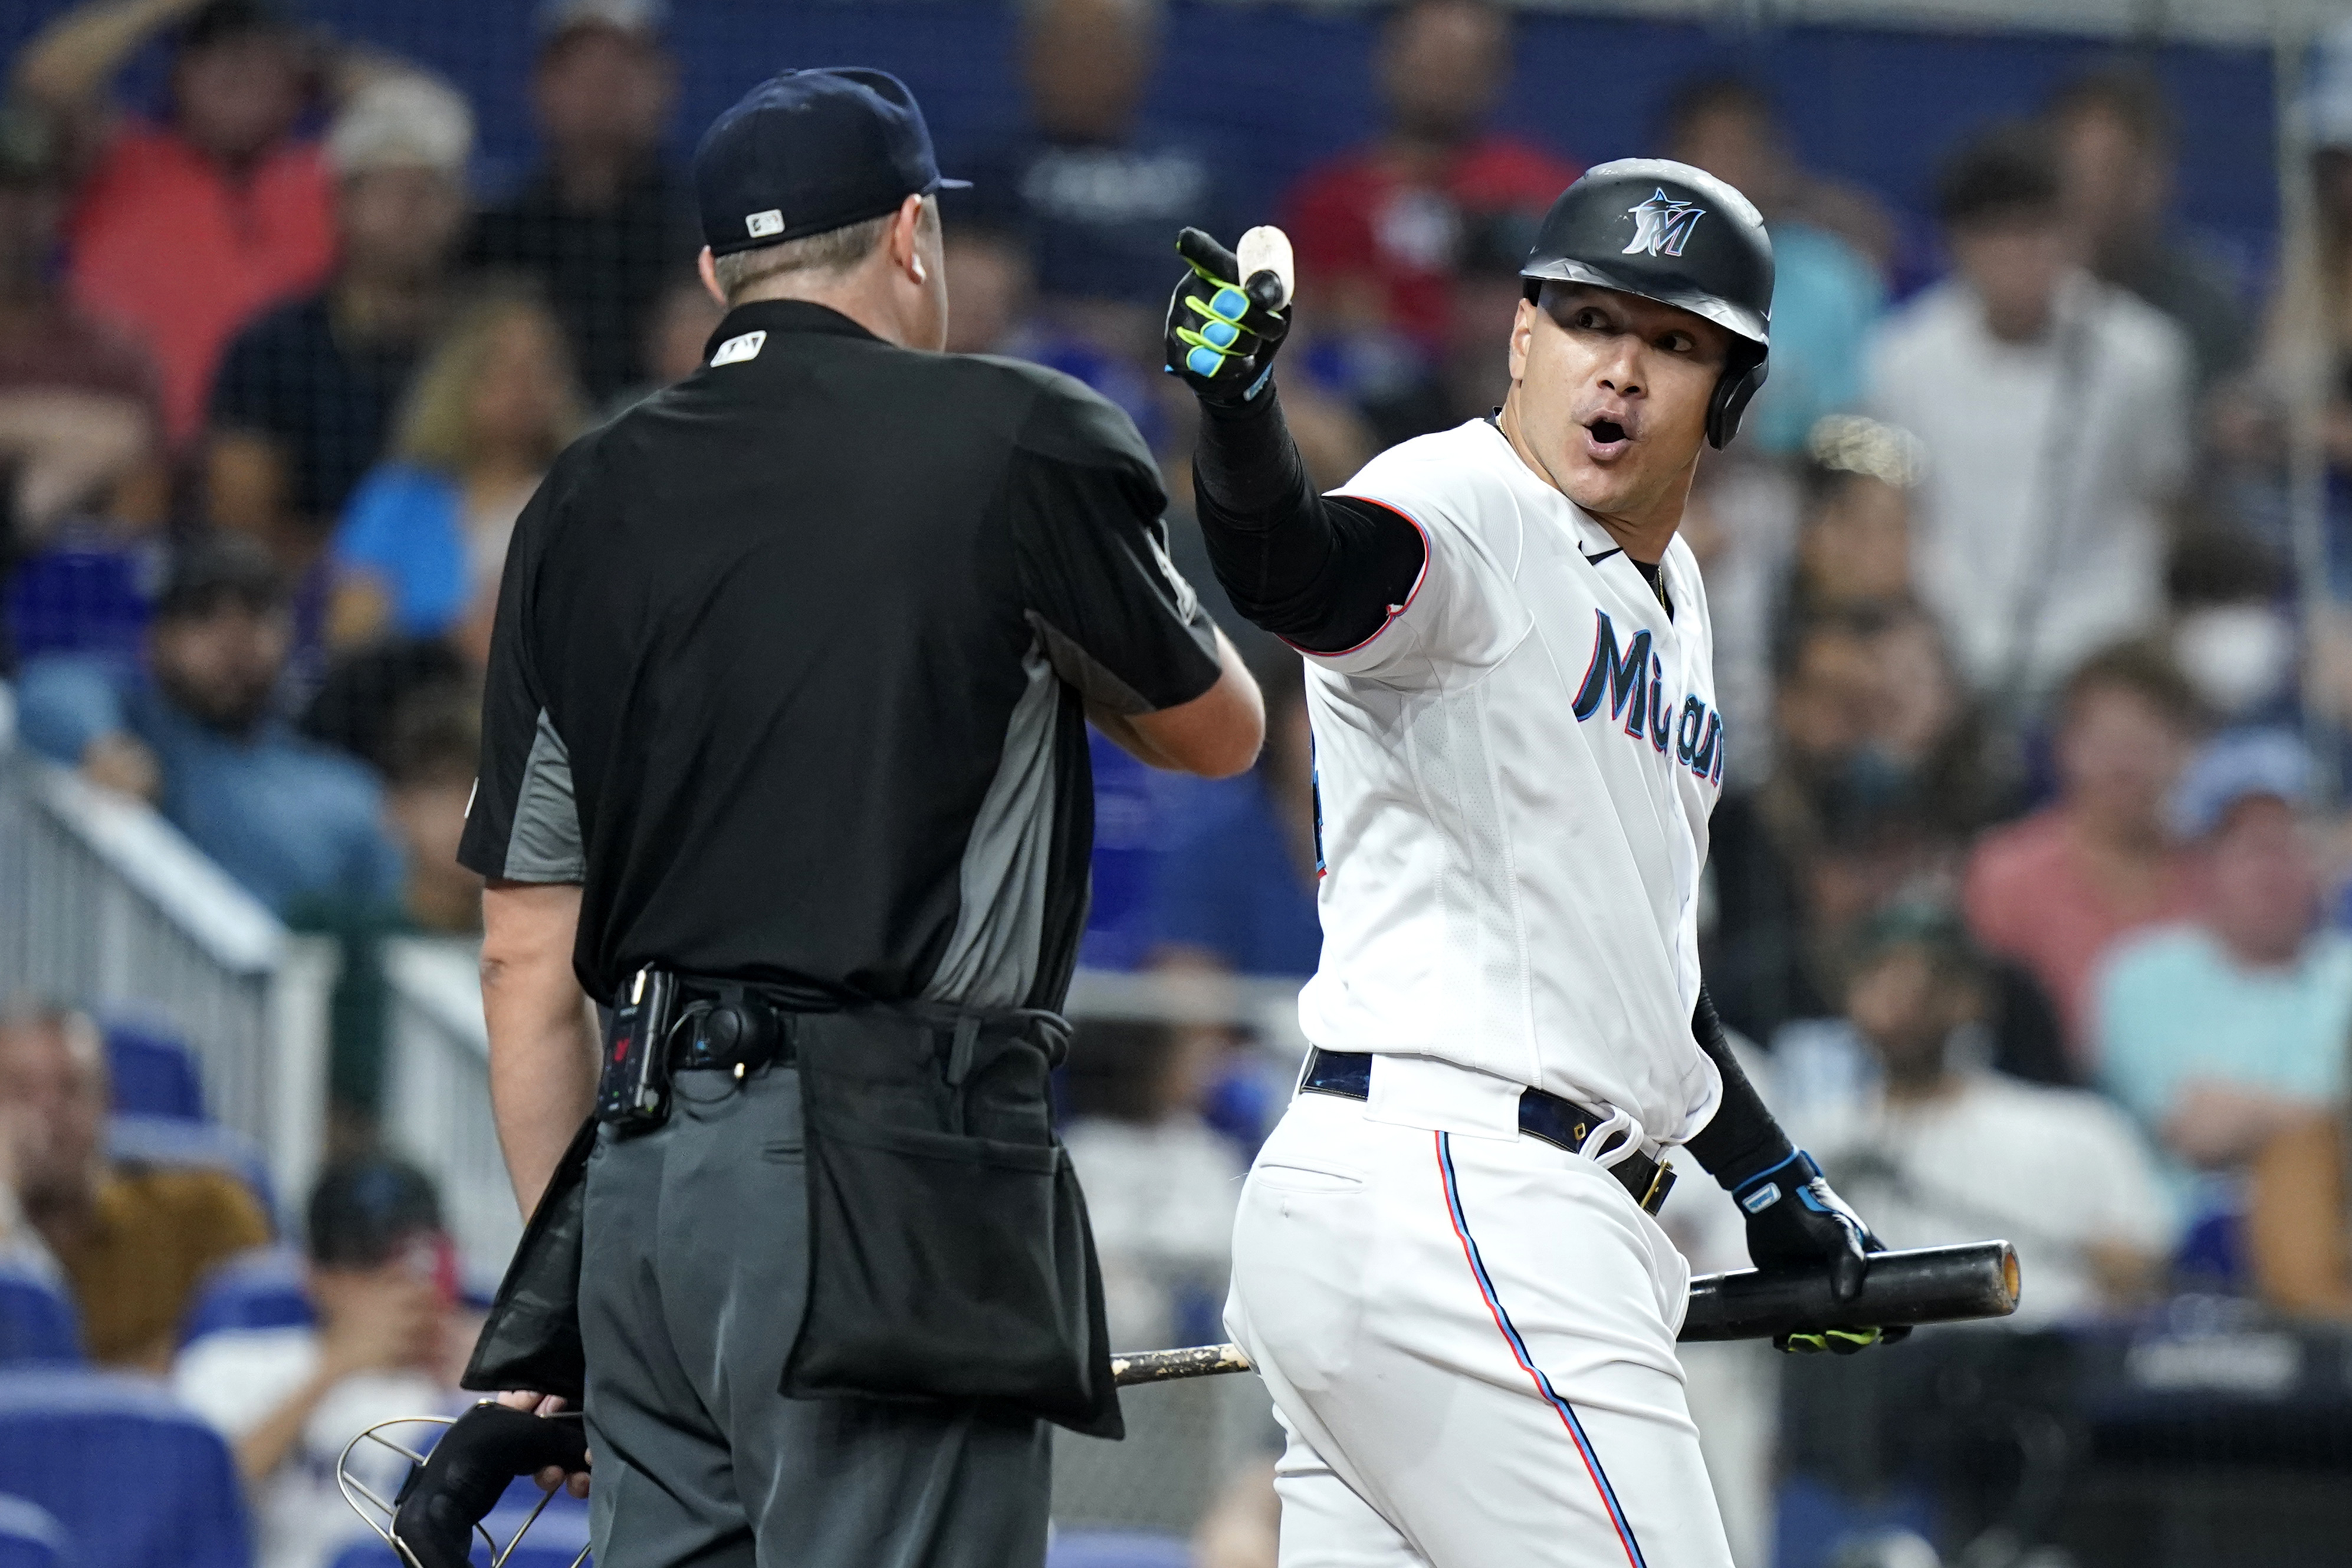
<point>1974,1281</point>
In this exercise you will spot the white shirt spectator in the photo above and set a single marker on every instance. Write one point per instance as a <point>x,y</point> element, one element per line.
<point>1161,1198</point>
<point>2055,1171</point>
<point>237,1378</point>
<point>2039,534</point>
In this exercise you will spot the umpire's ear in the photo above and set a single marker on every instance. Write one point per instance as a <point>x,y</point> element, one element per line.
<point>709,269</point>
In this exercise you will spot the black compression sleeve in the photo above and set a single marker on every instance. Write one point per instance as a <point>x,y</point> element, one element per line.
<point>1322,572</point>
<point>1742,1139</point>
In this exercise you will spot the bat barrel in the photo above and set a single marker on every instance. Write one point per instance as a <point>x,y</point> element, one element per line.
<point>1931,1285</point>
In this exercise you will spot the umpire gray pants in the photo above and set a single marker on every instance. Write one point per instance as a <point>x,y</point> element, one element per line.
<point>692,1279</point>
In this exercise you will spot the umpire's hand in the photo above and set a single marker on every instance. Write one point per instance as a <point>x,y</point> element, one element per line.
<point>1224,330</point>
<point>1794,1220</point>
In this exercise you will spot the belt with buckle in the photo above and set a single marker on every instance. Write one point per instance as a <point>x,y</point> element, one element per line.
<point>1563,1123</point>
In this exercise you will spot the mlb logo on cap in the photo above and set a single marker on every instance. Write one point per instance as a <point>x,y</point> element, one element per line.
<point>832,147</point>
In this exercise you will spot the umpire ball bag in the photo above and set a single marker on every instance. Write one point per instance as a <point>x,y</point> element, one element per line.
<point>1677,235</point>
<point>949,1252</point>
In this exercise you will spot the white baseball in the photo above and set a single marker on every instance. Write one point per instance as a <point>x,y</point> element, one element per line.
<point>1267,249</point>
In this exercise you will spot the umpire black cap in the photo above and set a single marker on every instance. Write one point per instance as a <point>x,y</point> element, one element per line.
<point>1677,235</point>
<point>810,150</point>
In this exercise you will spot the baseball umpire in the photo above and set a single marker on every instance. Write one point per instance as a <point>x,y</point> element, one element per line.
<point>784,760</point>
<point>1445,1263</point>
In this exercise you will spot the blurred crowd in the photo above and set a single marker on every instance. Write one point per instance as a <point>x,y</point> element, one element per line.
<point>2029,877</point>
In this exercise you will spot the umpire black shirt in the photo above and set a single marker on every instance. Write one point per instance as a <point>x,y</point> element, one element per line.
<point>789,666</point>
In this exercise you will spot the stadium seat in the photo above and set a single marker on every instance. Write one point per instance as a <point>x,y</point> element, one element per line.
<point>153,1072</point>
<point>38,1322</point>
<point>1117,1549</point>
<point>136,1481</point>
<point>174,1142</point>
<point>30,1537</point>
<point>262,1289</point>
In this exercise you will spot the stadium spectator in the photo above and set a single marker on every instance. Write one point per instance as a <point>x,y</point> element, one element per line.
<point>1235,892</point>
<point>194,733</point>
<point>2219,1032</point>
<point>2114,136</point>
<point>183,231</point>
<point>428,765</point>
<point>603,222</point>
<point>305,395</point>
<point>1952,1152</point>
<point>424,536</point>
<point>2231,633</point>
<point>382,1278</point>
<point>1379,230</point>
<point>1826,295</point>
<point>1853,541</point>
<point>1097,200</point>
<point>79,418</point>
<point>1161,1184</point>
<point>2053,890</point>
<point>133,1240</point>
<point>2054,412</point>
<point>1472,370</point>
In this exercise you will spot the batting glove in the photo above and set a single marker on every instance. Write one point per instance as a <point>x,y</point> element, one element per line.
<point>1794,1218</point>
<point>1222,330</point>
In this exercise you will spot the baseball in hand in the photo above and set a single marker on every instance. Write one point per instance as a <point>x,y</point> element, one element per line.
<point>1267,250</point>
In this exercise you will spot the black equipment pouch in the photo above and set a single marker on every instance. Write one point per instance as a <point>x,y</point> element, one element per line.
<point>633,1089</point>
<point>531,1338</point>
<point>950,1257</point>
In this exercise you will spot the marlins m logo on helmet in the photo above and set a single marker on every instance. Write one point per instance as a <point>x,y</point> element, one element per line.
<point>1663,225</point>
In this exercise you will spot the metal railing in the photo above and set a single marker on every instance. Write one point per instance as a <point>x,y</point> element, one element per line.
<point>104,905</point>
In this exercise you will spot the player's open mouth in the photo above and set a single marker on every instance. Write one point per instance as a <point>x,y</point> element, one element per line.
<point>1607,437</point>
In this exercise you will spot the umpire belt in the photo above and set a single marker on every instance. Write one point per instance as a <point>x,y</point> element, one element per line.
<point>1563,1123</point>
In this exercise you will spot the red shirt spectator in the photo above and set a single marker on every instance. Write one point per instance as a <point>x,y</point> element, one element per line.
<point>235,246</point>
<point>2051,891</point>
<point>182,231</point>
<point>1391,225</point>
<point>1380,230</point>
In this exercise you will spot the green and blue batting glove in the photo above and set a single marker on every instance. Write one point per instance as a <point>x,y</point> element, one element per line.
<point>1223,330</point>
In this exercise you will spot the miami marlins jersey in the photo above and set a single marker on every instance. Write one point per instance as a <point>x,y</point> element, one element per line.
<point>1514,779</point>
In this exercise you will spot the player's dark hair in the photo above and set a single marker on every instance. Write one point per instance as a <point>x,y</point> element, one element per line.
<point>437,737</point>
<point>234,21</point>
<point>2005,174</point>
<point>2141,666</point>
<point>363,1210</point>
<point>2129,93</point>
<point>1696,98</point>
<point>217,571</point>
<point>2219,563</point>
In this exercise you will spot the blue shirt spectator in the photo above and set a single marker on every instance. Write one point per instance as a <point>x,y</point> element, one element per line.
<point>405,528</point>
<point>192,732</point>
<point>1230,886</point>
<point>2219,1033</point>
<point>1235,885</point>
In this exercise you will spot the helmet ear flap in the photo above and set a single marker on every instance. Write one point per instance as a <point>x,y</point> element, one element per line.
<point>1734,390</point>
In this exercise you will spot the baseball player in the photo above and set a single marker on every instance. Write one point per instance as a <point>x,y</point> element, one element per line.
<point>1445,1264</point>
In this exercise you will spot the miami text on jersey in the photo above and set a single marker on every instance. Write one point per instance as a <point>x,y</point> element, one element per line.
<point>1634,682</point>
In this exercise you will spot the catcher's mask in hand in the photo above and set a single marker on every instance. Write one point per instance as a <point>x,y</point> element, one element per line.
<point>431,1520</point>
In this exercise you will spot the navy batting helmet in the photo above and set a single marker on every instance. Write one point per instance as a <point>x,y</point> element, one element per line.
<point>1678,234</point>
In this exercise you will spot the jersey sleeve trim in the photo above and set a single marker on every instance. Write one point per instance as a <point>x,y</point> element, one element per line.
<point>545,844</point>
<point>1395,612</point>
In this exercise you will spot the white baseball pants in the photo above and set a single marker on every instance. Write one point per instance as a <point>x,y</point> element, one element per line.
<point>1470,1340</point>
